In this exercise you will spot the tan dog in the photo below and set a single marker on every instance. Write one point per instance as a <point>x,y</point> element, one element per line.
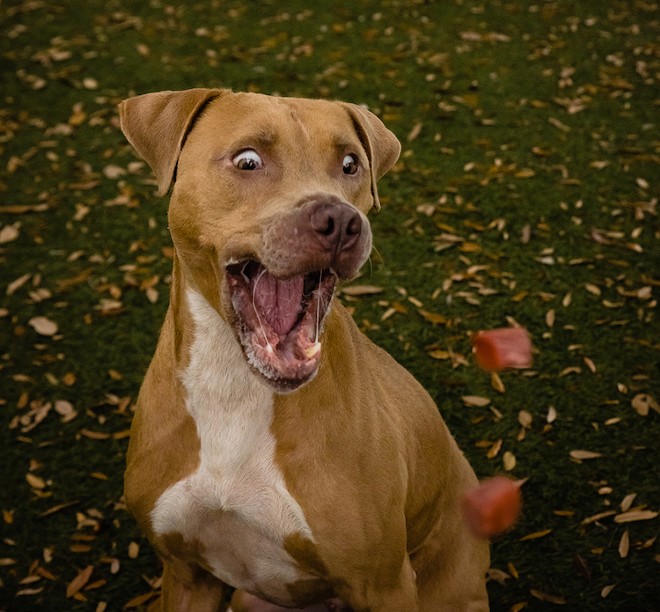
<point>275,449</point>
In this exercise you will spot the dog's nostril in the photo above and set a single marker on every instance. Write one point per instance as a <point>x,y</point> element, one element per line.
<point>329,227</point>
<point>354,226</point>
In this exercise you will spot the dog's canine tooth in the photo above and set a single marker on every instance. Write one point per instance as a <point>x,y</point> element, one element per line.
<point>312,350</point>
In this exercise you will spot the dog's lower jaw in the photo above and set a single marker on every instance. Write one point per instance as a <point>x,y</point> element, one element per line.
<point>279,322</point>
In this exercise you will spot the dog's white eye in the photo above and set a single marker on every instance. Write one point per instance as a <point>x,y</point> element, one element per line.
<point>350,164</point>
<point>248,160</point>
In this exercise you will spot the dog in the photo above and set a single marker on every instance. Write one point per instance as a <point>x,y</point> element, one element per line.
<point>274,449</point>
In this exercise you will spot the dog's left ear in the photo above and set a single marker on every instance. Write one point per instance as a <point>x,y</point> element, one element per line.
<point>156,124</point>
<point>382,146</point>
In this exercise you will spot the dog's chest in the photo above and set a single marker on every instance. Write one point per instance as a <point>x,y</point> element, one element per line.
<point>235,507</point>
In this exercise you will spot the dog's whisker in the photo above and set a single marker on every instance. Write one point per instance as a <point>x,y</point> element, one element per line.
<point>318,309</point>
<point>380,257</point>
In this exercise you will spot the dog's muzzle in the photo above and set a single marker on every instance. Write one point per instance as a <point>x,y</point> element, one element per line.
<point>281,299</point>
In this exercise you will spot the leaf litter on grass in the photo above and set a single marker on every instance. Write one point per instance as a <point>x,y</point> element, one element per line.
<point>526,191</point>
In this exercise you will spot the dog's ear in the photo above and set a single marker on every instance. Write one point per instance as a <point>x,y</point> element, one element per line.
<point>156,124</point>
<point>382,146</point>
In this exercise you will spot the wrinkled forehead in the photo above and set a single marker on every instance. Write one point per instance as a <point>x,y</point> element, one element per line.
<point>268,120</point>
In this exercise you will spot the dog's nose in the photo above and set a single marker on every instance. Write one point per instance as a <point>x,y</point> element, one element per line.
<point>337,226</point>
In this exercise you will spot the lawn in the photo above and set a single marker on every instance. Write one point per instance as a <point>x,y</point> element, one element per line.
<point>526,191</point>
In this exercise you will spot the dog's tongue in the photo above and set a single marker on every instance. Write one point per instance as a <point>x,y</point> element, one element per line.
<point>278,300</point>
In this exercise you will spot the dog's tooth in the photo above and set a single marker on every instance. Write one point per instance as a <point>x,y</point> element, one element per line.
<point>312,350</point>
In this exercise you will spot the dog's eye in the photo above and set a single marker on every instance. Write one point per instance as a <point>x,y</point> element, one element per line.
<point>248,160</point>
<point>350,164</point>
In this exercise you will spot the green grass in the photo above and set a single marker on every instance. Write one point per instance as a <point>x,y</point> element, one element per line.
<point>538,148</point>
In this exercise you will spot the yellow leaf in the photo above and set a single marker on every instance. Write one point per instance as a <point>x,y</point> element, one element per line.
<point>438,354</point>
<point>536,535</point>
<point>433,317</point>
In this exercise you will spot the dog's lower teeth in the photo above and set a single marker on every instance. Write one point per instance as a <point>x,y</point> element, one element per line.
<point>313,350</point>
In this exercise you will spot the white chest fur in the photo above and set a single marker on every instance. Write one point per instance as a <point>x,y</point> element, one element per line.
<point>236,502</point>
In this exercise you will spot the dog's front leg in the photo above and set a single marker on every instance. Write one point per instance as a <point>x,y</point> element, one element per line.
<point>187,589</point>
<point>383,595</point>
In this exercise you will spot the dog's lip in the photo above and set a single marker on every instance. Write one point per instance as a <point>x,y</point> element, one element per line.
<point>279,319</point>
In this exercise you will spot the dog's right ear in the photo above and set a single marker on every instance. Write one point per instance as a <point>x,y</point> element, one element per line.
<point>156,124</point>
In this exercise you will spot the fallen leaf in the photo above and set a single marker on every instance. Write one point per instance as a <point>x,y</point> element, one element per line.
<point>433,317</point>
<point>584,454</point>
<point>536,535</point>
<point>643,402</point>
<point>627,501</point>
<point>35,481</point>
<point>43,326</point>
<point>508,461</point>
<point>9,233</point>
<point>635,515</point>
<point>79,581</point>
<point>555,599</point>
<point>359,290</point>
<point>475,401</point>
<point>525,419</point>
<point>624,544</point>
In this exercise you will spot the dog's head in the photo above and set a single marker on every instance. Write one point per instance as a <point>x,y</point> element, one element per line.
<point>268,208</point>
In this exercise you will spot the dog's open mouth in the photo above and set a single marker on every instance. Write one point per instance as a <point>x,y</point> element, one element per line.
<point>280,320</point>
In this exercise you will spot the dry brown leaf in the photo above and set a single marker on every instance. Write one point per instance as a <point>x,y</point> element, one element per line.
<point>496,382</point>
<point>133,550</point>
<point>359,290</point>
<point>439,354</point>
<point>525,419</point>
<point>624,545</point>
<point>508,461</point>
<point>643,402</point>
<point>590,364</point>
<point>79,581</point>
<point>552,415</point>
<point>580,455</point>
<point>18,283</point>
<point>475,400</point>
<point>494,449</point>
<point>635,515</point>
<point>597,517</point>
<point>415,131</point>
<point>9,233</point>
<point>35,481</point>
<point>607,590</point>
<point>627,501</point>
<point>43,326</point>
<point>138,601</point>
<point>497,575</point>
<point>555,599</point>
